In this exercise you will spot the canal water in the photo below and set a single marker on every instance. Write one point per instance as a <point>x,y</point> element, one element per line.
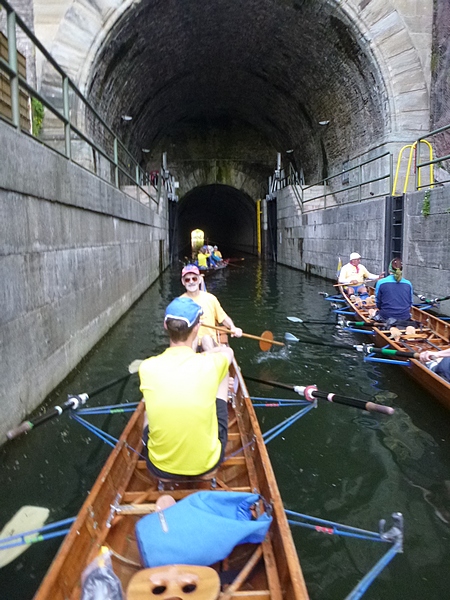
<point>336,463</point>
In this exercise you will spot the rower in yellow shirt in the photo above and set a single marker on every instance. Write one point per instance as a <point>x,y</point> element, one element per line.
<point>213,313</point>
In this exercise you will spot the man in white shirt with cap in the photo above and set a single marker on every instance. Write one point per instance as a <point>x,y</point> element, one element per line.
<point>354,274</point>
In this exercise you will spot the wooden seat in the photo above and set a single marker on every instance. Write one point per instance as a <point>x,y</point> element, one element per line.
<point>187,481</point>
<point>183,582</point>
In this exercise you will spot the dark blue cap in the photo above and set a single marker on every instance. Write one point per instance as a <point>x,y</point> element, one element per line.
<point>184,309</point>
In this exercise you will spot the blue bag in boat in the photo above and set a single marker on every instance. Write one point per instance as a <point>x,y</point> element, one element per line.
<point>200,529</point>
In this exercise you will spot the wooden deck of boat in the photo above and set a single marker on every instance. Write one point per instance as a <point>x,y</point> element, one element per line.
<point>269,571</point>
<point>431,334</point>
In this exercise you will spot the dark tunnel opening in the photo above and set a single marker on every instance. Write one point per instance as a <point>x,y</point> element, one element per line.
<point>226,215</point>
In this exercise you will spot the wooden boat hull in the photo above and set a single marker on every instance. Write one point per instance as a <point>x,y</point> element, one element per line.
<point>210,271</point>
<point>125,480</point>
<point>431,334</point>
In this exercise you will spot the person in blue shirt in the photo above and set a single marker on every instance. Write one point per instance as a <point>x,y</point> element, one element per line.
<point>394,294</point>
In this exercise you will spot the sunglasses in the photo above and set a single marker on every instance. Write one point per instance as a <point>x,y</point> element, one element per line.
<point>193,278</point>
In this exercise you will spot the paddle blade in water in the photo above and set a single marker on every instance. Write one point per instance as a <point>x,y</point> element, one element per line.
<point>28,518</point>
<point>294,319</point>
<point>266,343</point>
<point>290,338</point>
<point>134,366</point>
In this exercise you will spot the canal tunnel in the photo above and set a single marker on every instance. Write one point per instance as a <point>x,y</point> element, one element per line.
<point>226,216</point>
<point>236,82</point>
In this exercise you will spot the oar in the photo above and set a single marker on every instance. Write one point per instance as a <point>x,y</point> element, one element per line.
<point>367,281</point>
<point>353,323</point>
<point>73,401</point>
<point>392,352</point>
<point>265,339</point>
<point>431,300</point>
<point>289,337</point>
<point>310,391</point>
<point>358,347</point>
<point>302,322</point>
<point>27,528</point>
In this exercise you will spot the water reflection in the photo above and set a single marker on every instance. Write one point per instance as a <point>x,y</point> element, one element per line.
<point>337,463</point>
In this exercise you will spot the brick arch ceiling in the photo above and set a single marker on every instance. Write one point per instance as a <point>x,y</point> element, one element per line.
<point>276,66</point>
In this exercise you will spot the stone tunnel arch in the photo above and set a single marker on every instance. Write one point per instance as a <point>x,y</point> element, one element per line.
<point>277,67</point>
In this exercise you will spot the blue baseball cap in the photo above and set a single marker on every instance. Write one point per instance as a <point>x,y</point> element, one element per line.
<point>184,309</point>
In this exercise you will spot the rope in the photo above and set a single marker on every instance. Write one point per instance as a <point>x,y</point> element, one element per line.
<point>126,561</point>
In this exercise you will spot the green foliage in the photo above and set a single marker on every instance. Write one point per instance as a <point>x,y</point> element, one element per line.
<point>37,111</point>
<point>426,203</point>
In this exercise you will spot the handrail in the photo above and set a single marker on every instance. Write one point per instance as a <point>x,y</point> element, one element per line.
<point>135,174</point>
<point>414,148</point>
<point>438,159</point>
<point>279,181</point>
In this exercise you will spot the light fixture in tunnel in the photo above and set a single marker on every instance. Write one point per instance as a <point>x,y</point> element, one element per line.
<point>197,240</point>
<point>323,123</point>
<point>145,150</point>
<point>126,118</point>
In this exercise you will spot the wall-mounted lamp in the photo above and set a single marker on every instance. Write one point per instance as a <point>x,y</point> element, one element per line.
<point>323,123</point>
<point>146,150</point>
<point>126,118</point>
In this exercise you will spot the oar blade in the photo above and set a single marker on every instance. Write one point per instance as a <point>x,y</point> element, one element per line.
<point>265,343</point>
<point>294,319</point>
<point>134,366</point>
<point>289,337</point>
<point>26,518</point>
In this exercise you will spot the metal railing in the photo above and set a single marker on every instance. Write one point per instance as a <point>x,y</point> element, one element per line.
<point>414,150</point>
<point>360,180</point>
<point>100,150</point>
<point>441,140</point>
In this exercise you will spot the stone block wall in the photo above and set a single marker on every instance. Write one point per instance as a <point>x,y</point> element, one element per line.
<point>426,248</point>
<point>314,241</point>
<point>75,254</point>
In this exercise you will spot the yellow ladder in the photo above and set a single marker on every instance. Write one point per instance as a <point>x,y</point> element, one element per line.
<point>413,151</point>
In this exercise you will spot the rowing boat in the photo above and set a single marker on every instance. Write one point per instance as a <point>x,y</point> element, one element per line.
<point>125,490</point>
<point>219,266</point>
<point>430,333</point>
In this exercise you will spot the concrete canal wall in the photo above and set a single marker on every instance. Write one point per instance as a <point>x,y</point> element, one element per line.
<point>313,241</point>
<point>75,254</point>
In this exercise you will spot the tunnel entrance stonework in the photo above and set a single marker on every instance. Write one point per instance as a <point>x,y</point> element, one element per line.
<point>242,80</point>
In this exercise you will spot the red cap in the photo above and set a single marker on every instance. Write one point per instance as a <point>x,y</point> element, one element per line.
<point>190,269</point>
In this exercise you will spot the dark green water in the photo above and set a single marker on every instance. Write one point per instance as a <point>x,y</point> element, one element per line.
<point>336,463</point>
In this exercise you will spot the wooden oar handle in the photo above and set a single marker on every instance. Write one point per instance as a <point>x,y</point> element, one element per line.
<point>373,407</point>
<point>246,335</point>
<point>355,402</point>
<point>22,428</point>
<point>311,391</point>
<point>72,402</point>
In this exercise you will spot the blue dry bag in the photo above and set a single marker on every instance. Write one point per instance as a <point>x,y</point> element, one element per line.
<point>202,529</point>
